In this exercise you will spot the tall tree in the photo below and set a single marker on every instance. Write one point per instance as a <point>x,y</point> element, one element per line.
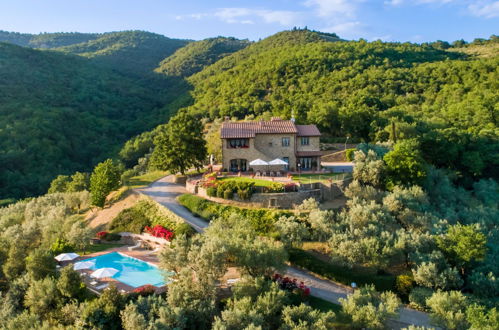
<point>405,164</point>
<point>105,178</point>
<point>179,145</point>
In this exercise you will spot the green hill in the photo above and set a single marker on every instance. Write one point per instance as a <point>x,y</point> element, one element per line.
<point>127,51</point>
<point>358,88</point>
<point>60,113</point>
<point>46,40</point>
<point>196,55</point>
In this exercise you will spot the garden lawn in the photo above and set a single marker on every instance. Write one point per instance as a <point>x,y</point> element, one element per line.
<point>312,178</point>
<point>257,182</point>
<point>145,179</point>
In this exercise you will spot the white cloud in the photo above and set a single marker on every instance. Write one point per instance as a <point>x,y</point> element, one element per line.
<point>345,29</point>
<point>487,9</point>
<point>246,16</point>
<point>327,8</point>
<point>197,16</point>
<point>416,2</point>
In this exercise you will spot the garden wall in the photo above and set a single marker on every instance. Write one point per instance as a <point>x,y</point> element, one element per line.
<point>284,200</point>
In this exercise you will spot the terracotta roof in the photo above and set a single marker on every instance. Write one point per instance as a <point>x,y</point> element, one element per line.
<point>308,153</point>
<point>248,129</point>
<point>308,130</point>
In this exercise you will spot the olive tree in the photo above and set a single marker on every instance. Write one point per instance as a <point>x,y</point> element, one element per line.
<point>368,308</point>
<point>448,309</point>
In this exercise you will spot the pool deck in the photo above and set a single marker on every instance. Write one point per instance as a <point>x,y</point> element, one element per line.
<point>144,255</point>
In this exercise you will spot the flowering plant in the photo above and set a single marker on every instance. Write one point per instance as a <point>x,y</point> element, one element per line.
<point>289,187</point>
<point>159,231</point>
<point>102,234</point>
<point>144,290</point>
<point>292,285</point>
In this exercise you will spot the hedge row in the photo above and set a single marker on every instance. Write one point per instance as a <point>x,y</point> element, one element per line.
<point>338,273</point>
<point>262,219</point>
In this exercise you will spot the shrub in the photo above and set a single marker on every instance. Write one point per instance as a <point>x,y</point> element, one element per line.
<point>350,154</point>
<point>102,234</point>
<point>131,220</point>
<point>228,194</point>
<point>275,187</point>
<point>112,237</point>
<point>290,187</point>
<point>220,191</point>
<point>404,284</point>
<point>160,231</point>
<point>145,290</point>
<point>211,191</point>
<point>418,296</point>
<point>184,229</point>
<point>61,246</point>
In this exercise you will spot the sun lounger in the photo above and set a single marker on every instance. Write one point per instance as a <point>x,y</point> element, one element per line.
<point>102,286</point>
<point>232,281</point>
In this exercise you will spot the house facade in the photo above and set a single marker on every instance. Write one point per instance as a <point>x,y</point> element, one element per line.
<point>245,141</point>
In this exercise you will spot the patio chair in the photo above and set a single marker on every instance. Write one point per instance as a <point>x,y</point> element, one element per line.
<point>264,173</point>
<point>258,173</point>
<point>102,286</point>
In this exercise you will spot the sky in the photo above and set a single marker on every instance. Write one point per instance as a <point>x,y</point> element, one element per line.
<point>388,20</point>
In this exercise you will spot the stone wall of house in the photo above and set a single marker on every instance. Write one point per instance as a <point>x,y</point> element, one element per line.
<point>314,144</point>
<point>271,146</point>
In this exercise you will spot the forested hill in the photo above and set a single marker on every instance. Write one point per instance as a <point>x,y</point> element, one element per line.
<point>127,51</point>
<point>444,97</point>
<point>60,113</point>
<point>196,55</point>
<point>46,40</point>
<point>136,52</point>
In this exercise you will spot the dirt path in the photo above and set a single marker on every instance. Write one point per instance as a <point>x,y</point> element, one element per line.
<point>165,192</point>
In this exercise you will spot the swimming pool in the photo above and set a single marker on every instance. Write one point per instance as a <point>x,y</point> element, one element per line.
<point>132,271</point>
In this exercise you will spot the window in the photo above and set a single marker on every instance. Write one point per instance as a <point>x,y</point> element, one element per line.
<point>286,159</point>
<point>285,142</point>
<point>305,141</point>
<point>273,202</point>
<point>237,143</point>
<point>238,165</point>
<point>306,163</point>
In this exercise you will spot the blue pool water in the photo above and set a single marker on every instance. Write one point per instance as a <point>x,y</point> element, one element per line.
<point>132,271</point>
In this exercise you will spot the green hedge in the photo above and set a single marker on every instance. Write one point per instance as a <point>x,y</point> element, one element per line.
<point>338,273</point>
<point>262,219</point>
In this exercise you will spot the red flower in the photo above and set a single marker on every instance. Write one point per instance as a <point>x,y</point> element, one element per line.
<point>102,234</point>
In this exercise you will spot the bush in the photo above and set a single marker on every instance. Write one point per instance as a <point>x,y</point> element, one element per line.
<point>228,194</point>
<point>404,284</point>
<point>145,290</point>
<point>350,154</point>
<point>112,237</point>
<point>418,296</point>
<point>220,191</point>
<point>211,191</point>
<point>275,187</point>
<point>184,229</point>
<point>130,220</point>
<point>61,246</point>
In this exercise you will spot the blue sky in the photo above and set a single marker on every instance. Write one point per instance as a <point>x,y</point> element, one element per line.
<point>390,20</point>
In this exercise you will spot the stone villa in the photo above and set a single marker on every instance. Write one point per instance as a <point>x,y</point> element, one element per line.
<point>245,141</point>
